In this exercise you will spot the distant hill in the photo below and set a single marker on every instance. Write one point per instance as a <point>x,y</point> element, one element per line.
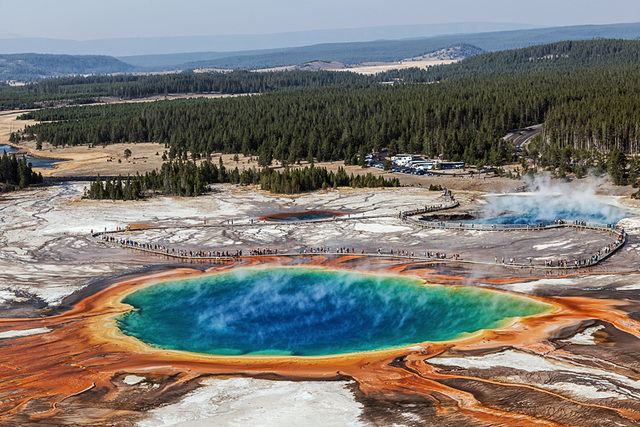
<point>177,60</point>
<point>561,56</point>
<point>522,38</point>
<point>240,42</point>
<point>32,66</point>
<point>451,53</point>
<point>396,50</point>
<point>29,67</point>
<point>460,51</point>
<point>346,53</point>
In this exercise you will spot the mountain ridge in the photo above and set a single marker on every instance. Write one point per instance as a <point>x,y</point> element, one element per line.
<point>388,51</point>
<point>119,47</point>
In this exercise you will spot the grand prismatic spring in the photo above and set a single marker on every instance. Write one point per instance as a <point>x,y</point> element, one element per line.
<point>311,312</point>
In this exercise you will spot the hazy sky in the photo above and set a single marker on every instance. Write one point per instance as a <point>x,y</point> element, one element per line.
<point>92,19</point>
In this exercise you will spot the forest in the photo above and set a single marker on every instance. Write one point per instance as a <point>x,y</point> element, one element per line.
<point>88,90</point>
<point>186,178</point>
<point>459,118</point>
<point>560,56</point>
<point>16,173</point>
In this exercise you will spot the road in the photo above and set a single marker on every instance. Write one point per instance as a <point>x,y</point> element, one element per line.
<point>14,113</point>
<point>522,137</point>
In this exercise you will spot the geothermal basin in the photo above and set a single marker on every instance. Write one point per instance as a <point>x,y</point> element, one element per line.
<point>302,311</point>
<point>70,363</point>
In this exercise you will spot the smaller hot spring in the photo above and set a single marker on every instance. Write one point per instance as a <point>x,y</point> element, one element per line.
<point>535,208</point>
<point>311,312</point>
<point>302,216</point>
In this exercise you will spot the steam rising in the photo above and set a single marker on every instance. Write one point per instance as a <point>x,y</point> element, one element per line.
<point>304,311</point>
<point>550,201</point>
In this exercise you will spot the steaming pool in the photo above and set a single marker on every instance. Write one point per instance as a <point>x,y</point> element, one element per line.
<point>533,208</point>
<point>301,216</point>
<point>301,311</point>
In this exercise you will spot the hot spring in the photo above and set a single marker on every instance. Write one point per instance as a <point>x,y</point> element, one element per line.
<point>303,311</point>
<point>534,208</point>
<point>301,216</point>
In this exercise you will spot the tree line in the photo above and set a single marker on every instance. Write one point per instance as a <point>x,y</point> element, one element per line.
<point>186,178</point>
<point>463,119</point>
<point>293,181</point>
<point>16,173</point>
<point>88,90</point>
<point>560,56</point>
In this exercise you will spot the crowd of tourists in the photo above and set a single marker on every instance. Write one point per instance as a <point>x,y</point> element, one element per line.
<point>442,255</point>
<point>318,250</point>
<point>584,262</point>
<point>263,251</point>
<point>165,250</point>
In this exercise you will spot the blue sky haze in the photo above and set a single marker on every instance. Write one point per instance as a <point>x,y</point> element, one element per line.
<point>88,20</point>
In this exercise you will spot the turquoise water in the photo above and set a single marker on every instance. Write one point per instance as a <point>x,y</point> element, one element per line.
<point>310,312</point>
<point>534,208</point>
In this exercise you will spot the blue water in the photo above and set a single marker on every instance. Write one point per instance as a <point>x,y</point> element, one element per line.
<point>535,208</point>
<point>309,312</point>
<point>36,162</point>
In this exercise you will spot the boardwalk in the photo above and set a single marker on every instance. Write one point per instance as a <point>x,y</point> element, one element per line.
<point>122,238</point>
